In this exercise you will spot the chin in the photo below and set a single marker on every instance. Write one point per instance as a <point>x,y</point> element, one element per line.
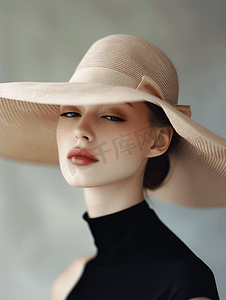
<point>75,177</point>
<point>89,176</point>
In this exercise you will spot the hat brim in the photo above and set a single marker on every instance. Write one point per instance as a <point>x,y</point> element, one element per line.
<point>29,113</point>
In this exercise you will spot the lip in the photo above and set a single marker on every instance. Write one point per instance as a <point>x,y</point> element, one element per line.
<point>81,157</point>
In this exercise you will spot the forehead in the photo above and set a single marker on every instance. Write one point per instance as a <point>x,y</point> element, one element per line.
<point>126,104</point>
<point>134,105</point>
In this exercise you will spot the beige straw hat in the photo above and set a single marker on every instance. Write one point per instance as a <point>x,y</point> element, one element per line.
<point>117,68</point>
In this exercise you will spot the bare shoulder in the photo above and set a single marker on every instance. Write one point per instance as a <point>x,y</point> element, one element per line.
<point>66,280</point>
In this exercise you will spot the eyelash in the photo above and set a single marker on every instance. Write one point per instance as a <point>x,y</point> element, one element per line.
<point>67,113</point>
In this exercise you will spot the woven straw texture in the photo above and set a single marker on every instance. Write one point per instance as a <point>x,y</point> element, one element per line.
<point>111,72</point>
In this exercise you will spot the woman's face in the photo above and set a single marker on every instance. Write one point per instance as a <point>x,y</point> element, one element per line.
<point>119,136</point>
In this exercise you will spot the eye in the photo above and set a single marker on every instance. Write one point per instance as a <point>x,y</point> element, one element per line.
<point>113,118</point>
<point>70,114</point>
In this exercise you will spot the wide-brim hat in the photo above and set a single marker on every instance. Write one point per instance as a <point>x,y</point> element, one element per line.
<point>117,69</point>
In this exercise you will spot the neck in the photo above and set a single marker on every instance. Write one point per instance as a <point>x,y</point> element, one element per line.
<point>114,197</point>
<point>116,234</point>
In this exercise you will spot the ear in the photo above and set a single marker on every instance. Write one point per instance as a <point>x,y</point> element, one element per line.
<point>163,137</point>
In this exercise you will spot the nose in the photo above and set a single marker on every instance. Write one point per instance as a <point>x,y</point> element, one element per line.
<point>83,130</point>
<point>84,136</point>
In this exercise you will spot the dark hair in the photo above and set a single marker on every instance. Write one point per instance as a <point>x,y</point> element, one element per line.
<point>158,167</point>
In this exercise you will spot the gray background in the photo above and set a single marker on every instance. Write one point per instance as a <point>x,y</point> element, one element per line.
<point>42,231</point>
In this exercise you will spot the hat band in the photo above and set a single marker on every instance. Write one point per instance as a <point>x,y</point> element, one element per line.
<point>103,76</point>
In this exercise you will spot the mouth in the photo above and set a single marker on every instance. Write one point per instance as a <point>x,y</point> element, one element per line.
<point>81,157</point>
<point>81,160</point>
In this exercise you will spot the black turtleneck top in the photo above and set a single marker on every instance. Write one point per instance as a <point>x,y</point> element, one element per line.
<point>138,257</point>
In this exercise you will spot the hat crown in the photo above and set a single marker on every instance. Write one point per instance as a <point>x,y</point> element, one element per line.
<point>123,60</point>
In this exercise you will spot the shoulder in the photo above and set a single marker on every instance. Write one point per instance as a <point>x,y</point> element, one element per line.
<point>190,270</point>
<point>66,280</point>
<point>194,277</point>
<point>200,298</point>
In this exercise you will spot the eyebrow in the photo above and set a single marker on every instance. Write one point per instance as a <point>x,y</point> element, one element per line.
<point>71,106</point>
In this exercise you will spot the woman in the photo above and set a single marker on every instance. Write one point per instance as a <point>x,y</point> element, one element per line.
<point>120,132</point>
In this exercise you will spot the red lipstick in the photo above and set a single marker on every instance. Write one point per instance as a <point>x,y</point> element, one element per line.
<point>81,157</point>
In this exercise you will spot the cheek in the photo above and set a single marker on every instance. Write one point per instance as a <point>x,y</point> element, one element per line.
<point>58,135</point>
<point>62,134</point>
<point>127,149</point>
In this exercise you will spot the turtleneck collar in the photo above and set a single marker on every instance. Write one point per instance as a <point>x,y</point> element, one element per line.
<point>119,234</point>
